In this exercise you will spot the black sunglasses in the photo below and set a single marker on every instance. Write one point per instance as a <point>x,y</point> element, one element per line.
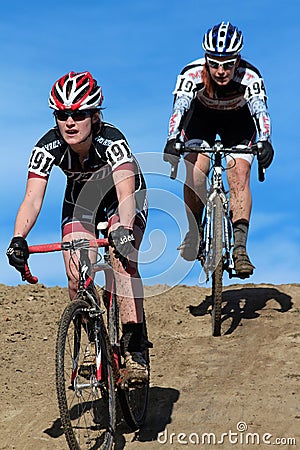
<point>76,115</point>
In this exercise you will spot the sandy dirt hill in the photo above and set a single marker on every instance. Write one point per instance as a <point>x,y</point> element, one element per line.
<point>246,381</point>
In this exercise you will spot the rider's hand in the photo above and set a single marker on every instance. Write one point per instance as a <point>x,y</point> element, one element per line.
<point>171,155</point>
<point>266,153</point>
<point>18,253</point>
<point>122,239</point>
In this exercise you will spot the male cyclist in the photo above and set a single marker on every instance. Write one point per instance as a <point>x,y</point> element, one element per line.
<point>222,94</point>
<point>104,182</point>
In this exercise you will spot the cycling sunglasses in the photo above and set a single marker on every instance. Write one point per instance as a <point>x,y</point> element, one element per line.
<point>227,65</point>
<point>76,115</point>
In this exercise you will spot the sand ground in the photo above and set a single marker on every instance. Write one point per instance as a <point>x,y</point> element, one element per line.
<point>244,383</point>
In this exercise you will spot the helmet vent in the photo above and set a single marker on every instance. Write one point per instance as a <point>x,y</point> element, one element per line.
<point>76,91</point>
<point>223,39</point>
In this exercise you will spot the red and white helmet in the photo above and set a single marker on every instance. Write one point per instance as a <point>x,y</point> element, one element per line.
<point>76,91</point>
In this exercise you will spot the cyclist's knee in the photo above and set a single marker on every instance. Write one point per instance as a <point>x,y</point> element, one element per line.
<point>196,170</point>
<point>72,286</point>
<point>240,174</point>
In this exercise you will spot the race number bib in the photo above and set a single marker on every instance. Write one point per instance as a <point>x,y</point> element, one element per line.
<point>118,153</point>
<point>256,89</point>
<point>184,86</point>
<point>40,162</point>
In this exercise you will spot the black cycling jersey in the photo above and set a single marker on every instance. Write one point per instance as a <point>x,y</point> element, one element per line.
<point>90,191</point>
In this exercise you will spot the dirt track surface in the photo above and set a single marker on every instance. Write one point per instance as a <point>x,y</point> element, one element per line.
<point>244,385</point>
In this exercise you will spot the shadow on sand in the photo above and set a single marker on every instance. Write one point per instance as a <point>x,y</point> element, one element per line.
<point>160,408</point>
<point>244,303</point>
<point>159,415</point>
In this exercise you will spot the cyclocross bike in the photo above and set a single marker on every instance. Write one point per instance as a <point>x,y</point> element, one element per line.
<point>90,369</point>
<point>215,250</point>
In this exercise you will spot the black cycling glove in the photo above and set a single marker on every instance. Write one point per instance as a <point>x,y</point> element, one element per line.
<point>18,253</point>
<point>171,155</point>
<point>123,241</point>
<point>266,154</point>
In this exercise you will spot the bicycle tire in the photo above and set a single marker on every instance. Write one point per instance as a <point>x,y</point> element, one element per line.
<point>87,407</point>
<point>217,274</point>
<point>134,399</point>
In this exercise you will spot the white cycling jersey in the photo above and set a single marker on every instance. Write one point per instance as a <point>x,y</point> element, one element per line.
<point>246,87</point>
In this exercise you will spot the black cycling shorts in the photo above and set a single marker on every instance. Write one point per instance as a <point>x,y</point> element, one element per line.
<point>233,126</point>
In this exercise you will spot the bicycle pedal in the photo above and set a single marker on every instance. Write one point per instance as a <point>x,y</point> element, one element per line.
<point>240,275</point>
<point>243,276</point>
<point>127,382</point>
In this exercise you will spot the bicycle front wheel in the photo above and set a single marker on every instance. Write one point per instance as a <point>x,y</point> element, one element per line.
<point>217,274</point>
<point>86,397</point>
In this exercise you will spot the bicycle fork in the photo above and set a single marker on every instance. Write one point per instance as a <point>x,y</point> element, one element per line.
<point>96,378</point>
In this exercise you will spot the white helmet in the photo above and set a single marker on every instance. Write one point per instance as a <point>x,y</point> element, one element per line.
<point>223,39</point>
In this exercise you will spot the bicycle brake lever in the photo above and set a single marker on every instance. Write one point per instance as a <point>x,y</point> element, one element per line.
<point>261,173</point>
<point>174,169</point>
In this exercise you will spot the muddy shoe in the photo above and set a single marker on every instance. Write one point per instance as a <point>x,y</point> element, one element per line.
<point>189,248</point>
<point>242,264</point>
<point>89,361</point>
<point>136,368</point>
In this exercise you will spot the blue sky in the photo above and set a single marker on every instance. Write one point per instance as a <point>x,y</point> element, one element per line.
<point>135,50</point>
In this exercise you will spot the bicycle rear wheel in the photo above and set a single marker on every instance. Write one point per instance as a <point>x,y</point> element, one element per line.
<point>134,398</point>
<point>217,273</point>
<point>87,406</point>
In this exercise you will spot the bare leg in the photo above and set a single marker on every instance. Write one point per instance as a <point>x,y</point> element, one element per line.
<point>130,295</point>
<point>129,288</point>
<point>197,167</point>
<point>240,194</point>
<point>71,263</point>
<point>241,204</point>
